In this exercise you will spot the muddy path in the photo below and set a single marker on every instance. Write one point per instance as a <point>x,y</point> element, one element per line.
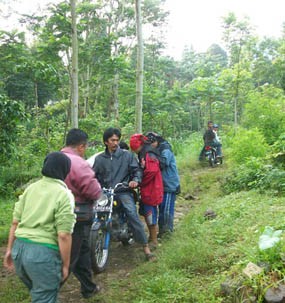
<point>122,260</point>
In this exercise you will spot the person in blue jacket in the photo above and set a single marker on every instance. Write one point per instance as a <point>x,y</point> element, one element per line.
<point>171,183</point>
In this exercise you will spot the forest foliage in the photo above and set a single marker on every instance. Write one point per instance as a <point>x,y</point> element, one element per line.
<point>239,85</point>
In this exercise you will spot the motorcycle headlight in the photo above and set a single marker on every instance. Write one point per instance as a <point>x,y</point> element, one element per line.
<point>103,200</point>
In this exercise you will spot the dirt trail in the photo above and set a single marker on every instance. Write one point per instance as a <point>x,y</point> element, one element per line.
<point>122,261</point>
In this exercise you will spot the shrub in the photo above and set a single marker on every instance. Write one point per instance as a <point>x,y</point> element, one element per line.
<point>11,113</point>
<point>265,110</point>
<point>247,144</point>
<point>255,173</point>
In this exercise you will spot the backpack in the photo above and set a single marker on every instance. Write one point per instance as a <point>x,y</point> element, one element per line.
<point>151,187</point>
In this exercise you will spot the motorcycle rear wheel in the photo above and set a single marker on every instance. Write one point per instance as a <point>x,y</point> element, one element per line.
<point>99,254</point>
<point>212,161</point>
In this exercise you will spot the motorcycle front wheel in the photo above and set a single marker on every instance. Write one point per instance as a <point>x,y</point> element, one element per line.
<point>99,245</point>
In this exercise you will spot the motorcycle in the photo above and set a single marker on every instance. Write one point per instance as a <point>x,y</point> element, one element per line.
<point>211,156</point>
<point>109,223</point>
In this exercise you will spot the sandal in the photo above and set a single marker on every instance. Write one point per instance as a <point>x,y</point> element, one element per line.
<point>150,257</point>
<point>153,246</point>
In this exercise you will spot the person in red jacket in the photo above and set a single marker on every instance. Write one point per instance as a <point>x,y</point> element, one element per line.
<point>151,187</point>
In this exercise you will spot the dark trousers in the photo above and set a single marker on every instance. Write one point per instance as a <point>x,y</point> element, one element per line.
<point>80,262</point>
<point>166,213</point>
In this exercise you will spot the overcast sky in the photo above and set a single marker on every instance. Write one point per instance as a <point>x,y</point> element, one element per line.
<point>198,23</point>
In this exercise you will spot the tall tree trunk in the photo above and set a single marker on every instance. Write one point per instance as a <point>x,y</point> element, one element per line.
<point>140,62</point>
<point>116,96</point>
<point>116,89</point>
<point>87,92</point>
<point>74,83</point>
<point>236,93</point>
<point>36,97</point>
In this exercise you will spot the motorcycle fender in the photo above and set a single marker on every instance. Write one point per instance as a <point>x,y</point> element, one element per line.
<point>96,226</point>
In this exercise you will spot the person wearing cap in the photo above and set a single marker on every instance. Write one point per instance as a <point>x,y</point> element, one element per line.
<point>151,187</point>
<point>39,242</point>
<point>85,187</point>
<point>116,165</point>
<point>171,183</point>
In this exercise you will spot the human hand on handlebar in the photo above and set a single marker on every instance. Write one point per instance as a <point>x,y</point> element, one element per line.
<point>133,184</point>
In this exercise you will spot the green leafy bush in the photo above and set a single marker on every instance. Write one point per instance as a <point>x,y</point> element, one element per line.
<point>278,151</point>
<point>266,112</point>
<point>247,144</point>
<point>255,173</point>
<point>11,113</point>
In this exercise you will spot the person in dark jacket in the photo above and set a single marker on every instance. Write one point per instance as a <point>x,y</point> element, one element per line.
<point>116,165</point>
<point>171,183</point>
<point>208,138</point>
<point>151,187</point>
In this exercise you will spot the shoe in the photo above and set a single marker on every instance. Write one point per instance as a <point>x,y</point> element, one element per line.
<point>150,257</point>
<point>165,235</point>
<point>153,246</point>
<point>91,294</point>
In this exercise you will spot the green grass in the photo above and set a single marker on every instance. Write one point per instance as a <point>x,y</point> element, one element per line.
<point>6,208</point>
<point>201,253</point>
<point>12,290</point>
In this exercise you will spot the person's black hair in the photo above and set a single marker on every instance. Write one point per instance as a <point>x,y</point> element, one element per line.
<point>110,132</point>
<point>76,137</point>
<point>56,165</point>
<point>124,145</point>
<point>210,122</point>
<point>152,137</point>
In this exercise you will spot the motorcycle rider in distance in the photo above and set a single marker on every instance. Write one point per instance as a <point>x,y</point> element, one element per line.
<point>209,138</point>
<point>116,165</point>
<point>217,140</point>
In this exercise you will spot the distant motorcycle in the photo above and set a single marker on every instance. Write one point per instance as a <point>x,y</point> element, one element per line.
<point>109,223</point>
<point>211,156</point>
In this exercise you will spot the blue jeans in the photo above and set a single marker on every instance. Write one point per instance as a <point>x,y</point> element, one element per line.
<point>133,217</point>
<point>39,267</point>
<point>218,145</point>
<point>149,213</point>
<point>166,213</point>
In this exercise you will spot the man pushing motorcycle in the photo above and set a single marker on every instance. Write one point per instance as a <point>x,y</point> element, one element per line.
<point>116,165</point>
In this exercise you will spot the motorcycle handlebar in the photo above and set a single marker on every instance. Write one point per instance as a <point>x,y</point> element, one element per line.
<point>121,185</point>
